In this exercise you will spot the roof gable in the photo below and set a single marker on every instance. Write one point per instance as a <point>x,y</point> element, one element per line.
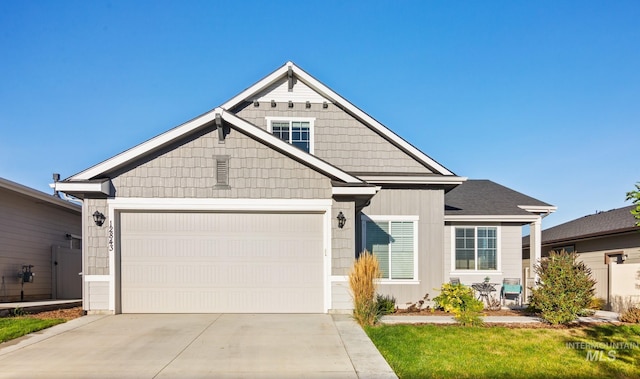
<point>274,80</point>
<point>271,80</point>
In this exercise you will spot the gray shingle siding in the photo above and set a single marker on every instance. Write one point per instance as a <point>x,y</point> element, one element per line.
<point>342,241</point>
<point>340,139</point>
<point>255,171</point>
<point>96,240</point>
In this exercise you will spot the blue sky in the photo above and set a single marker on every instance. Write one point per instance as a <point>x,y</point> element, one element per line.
<point>543,97</point>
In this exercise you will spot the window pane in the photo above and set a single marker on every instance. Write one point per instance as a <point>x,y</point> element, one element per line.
<point>487,248</point>
<point>465,249</point>
<point>487,259</point>
<point>300,135</point>
<point>377,243</point>
<point>402,250</point>
<point>281,130</point>
<point>465,259</point>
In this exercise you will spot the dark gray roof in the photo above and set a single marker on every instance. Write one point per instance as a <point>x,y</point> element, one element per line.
<point>486,198</point>
<point>602,223</point>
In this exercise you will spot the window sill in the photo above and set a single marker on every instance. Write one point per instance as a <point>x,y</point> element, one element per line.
<point>397,281</point>
<point>475,272</point>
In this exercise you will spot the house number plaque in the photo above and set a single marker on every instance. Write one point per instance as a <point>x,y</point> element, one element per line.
<point>110,235</point>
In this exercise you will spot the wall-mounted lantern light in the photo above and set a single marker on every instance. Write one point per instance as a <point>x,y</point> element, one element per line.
<point>98,218</point>
<point>341,220</point>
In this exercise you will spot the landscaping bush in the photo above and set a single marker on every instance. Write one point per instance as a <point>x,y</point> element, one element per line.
<point>386,304</point>
<point>631,314</point>
<point>564,290</point>
<point>460,300</point>
<point>363,287</point>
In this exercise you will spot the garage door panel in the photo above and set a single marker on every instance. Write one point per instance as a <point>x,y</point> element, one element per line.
<point>213,262</point>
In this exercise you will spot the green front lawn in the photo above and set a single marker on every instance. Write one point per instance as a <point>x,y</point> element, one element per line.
<point>14,327</point>
<point>430,351</point>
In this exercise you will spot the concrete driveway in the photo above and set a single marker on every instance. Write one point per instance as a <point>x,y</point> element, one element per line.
<point>196,346</point>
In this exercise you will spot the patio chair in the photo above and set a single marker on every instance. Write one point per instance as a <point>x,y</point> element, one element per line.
<point>511,290</point>
<point>454,280</point>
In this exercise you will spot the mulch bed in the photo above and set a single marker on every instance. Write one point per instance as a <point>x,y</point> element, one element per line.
<point>66,314</point>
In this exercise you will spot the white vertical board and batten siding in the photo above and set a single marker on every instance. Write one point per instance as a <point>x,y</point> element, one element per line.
<point>279,92</point>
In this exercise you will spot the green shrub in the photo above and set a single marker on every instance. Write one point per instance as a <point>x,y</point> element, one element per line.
<point>460,300</point>
<point>386,304</point>
<point>363,287</point>
<point>631,314</point>
<point>564,290</point>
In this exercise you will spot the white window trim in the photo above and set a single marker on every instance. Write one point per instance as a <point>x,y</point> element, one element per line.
<point>310,120</point>
<point>412,218</point>
<point>498,269</point>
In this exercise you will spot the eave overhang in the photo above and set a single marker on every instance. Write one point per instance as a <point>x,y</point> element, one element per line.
<point>491,218</point>
<point>82,188</point>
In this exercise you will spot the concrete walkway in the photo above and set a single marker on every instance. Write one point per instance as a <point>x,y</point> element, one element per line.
<point>197,346</point>
<point>599,316</point>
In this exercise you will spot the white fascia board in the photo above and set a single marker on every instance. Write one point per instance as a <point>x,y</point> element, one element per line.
<point>83,187</point>
<point>33,193</point>
<point>355,190</point>
<point>192,204</point>
<point>272,140</point>
<point>491,218</point>
<point>145,147</point>
<point>414,179</point>
<point>546,209</point>
<point>260,85</point>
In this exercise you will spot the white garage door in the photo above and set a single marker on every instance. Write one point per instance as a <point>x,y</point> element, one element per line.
<point>221,262</point>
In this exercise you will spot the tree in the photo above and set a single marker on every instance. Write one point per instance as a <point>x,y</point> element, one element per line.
<point>634,196</point>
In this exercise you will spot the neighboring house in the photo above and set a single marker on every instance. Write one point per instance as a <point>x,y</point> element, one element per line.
<point>41,234</point>
<point>262,205</point>
<point>608,243</point>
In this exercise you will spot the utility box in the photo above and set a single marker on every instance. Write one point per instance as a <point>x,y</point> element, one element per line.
<point>27,274</point>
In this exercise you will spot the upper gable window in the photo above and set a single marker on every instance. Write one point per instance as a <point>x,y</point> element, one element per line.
<point>296,131</point>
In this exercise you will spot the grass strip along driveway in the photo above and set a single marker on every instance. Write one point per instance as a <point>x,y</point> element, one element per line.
<point>435,351</point>
<point>14,327</point>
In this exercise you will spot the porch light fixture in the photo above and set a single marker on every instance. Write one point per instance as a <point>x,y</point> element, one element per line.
<point>98,218</point>
<point>290,104</point>
<point>341,220</point>
<point>273,103</point>
<point>256,103</point>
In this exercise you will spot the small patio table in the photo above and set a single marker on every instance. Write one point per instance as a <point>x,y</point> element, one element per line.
<point>484,290</point>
